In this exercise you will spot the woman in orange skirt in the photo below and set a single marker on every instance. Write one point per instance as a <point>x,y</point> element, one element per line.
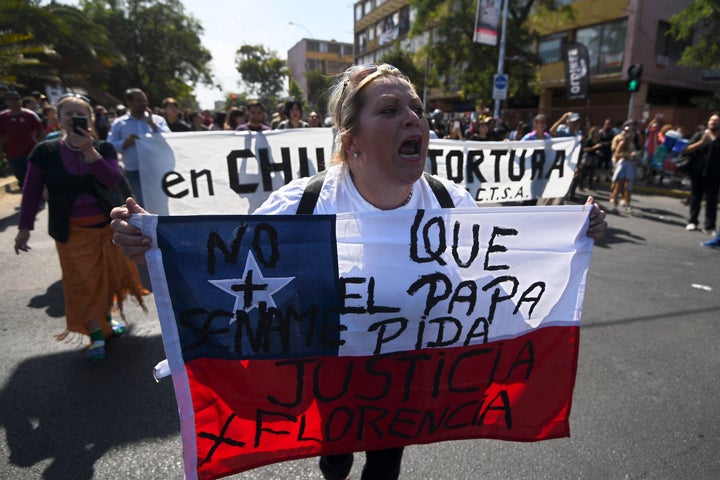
<point>96,277</point>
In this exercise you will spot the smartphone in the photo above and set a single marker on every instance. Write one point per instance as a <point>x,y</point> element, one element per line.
<point>81,122</point>
<point>456,124</point>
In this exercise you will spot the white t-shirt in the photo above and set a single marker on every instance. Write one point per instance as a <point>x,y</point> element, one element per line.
<point>339,195</point>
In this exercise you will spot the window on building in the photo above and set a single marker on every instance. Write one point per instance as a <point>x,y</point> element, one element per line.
<point>313,46</point>
<point>314,64</point>
<point>605,44</point>
<point>666,45</point>
<point>358,12</point>
<point>361,40</point>
<point>367,7</point>
<point>550,47</point>
<point>335,48</point>
<point>404,20</point>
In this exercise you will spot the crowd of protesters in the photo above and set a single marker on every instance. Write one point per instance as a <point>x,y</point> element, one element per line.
<point>619,152</point>
<point>651,151</point>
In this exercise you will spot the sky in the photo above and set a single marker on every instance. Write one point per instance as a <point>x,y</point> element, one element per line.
<point>228,24</point>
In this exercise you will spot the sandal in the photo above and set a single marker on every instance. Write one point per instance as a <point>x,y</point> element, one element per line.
<point>96,351</point>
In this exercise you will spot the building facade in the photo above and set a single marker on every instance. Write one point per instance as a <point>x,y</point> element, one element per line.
<point>326,56</point>
<point>617,34</point>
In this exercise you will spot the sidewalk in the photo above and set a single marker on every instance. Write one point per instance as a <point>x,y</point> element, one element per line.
<point>8,182</point>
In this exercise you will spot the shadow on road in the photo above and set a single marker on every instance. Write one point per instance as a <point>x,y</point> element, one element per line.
<point>53,300</point>
<point>59,407</point>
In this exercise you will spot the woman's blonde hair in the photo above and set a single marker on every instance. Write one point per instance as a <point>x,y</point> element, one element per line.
<point>345,101</point>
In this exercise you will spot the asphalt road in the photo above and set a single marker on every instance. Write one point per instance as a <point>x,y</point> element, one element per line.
<point>645,404</point>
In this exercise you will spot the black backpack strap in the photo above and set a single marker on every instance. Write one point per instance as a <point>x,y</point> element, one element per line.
<point>311,194</point>
<point>441,193</point>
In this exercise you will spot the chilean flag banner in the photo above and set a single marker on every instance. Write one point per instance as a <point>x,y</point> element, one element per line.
<point>296,336</point>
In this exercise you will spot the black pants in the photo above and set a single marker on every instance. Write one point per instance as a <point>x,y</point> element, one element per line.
<point>379,465</point>
<point>699,187</point>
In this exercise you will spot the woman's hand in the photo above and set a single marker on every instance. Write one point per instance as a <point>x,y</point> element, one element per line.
<point>127,236</point>
<point>598,226</point>
<point>83,140</point>
<point>21,241</point>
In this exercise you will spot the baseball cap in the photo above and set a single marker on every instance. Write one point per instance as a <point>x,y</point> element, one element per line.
<point>12,94</point>
<point>574,117</point>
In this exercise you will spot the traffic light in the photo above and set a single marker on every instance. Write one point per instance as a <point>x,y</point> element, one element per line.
<point>634,75</point>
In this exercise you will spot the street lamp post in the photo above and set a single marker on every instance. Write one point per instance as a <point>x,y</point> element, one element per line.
<point>303,27</point>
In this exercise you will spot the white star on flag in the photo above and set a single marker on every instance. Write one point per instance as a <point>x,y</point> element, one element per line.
<point>253,286</point>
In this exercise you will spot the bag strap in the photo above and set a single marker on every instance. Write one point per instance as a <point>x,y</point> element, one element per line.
<point>441,193</point>
<point>312,193</point>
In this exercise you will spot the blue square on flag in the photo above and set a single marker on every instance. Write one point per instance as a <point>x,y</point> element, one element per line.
<point>252,286</point>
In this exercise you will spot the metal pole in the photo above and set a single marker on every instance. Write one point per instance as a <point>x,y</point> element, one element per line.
<point>630,106</point>
<point>427,71</point>
<point>501,52</point>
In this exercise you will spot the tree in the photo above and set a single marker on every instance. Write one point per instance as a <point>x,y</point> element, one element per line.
<point>161,43</point>
<point>262,71</point>
<point>235,100</point>
<point>318,85</point>
<point>295,91</point>
<point>40,44</point>
<point>404,61</point>
<point>462,67</point>
<point>701,20</point>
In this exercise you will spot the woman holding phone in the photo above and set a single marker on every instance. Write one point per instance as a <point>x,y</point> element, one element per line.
<point>95,274</point>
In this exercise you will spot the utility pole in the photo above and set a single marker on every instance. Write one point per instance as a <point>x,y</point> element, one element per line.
<point>501,52</point>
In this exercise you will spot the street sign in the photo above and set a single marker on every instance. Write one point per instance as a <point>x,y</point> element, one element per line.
<point>500,86</point>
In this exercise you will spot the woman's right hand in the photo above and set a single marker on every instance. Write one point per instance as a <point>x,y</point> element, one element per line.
<point>127,236</point>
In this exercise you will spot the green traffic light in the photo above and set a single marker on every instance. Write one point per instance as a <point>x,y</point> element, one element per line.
<point>632,86</point>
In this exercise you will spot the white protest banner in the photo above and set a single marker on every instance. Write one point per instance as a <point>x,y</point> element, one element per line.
<point>234,172</point>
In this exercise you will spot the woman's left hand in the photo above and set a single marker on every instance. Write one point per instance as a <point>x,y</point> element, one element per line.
<point>21,241</point>
<point>598,226</point>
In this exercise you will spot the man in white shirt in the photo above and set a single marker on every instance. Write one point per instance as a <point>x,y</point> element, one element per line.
<point>131,127</point>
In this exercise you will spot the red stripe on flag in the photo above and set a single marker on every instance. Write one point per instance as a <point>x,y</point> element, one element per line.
<point>252,413</point>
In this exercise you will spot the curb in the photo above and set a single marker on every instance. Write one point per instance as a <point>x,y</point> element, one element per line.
<point>656,190</point>
<point>9,185</point>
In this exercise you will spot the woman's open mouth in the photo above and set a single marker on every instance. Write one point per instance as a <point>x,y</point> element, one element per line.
<point>410,148</point>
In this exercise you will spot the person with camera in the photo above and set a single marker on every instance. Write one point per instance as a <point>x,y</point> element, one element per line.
<point>95,274</point>
<point>131,127</point>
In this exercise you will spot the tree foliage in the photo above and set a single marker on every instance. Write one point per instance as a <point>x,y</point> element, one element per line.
<point>40,44</point>
<point>460,66</point>
<point>161,43</point>
<point>405,62</point>
<point>701,20</point>
<point>262,71</point>
<point>104,47</point>
<point>318,85</point>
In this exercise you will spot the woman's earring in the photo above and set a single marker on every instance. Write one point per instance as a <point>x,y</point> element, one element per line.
<point>355,154</point>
